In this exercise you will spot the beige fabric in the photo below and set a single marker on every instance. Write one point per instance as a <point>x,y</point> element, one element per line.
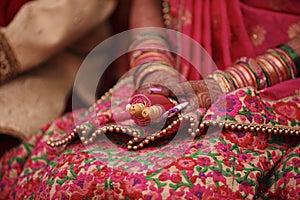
<point>48,32</point>
<point>36,98</point>
<point>92,39</point>
<point>43,28</point>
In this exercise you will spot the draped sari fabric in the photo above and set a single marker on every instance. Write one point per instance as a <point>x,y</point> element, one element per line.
<point>229,30</point>
<point>225,164</point>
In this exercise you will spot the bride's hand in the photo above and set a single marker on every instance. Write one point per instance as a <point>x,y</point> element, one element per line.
<point>199,94</point>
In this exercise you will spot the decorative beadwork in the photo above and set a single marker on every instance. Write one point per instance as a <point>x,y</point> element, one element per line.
<point>137,142</point>
<point>8,62</point>
<point>166,13</point>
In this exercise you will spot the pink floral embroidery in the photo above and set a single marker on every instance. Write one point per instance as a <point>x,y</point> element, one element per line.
<point>176,178</point>
<point>283,121</point>
<point>196,192</point>
<point>264,163</point>
<point>61,192</point>
<point>165,162</point>
<point>285,178</point>
<point>241,93</point>
<point>246,188</point>
<point>289,110</point>
<point>245,158</point>
<point>241,138</point>
<point>227,105</point>
<point>185,163</point>
<point>175,194</point>
<point>224,149</point>
<point>102,174</point>
<point>259,119</point>
<point>164,176</point>
<point>154,193</point>
<point>118,175</point>
<point>134,185</point>
<point>253,104</point>
<point>217,176</point>
<point>261,141</point>
<point>209,168</point>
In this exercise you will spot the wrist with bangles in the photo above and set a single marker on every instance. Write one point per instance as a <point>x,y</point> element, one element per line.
<point>145,71</point>
<point>149,46</point>
<point>151,59</point>
<point>275,66</point>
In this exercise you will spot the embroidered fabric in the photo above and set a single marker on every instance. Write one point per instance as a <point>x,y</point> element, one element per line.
<point>8,62</point>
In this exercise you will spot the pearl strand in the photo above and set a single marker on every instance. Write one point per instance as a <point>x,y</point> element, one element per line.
<point>79,129</point>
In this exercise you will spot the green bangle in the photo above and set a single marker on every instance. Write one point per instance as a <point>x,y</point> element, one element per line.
<point>294,56</point>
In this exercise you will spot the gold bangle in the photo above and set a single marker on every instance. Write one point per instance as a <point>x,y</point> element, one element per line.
<point>289,63</point>
<point>217,77</point>
<point>154,67</point>
<point>281,66</point>
<point>152,56</point>
<point>237,77</point>
<point>277,68</point>
<point>269,69</point>
<point>249,76</point>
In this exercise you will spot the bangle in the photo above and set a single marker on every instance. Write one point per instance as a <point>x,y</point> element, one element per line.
<point>286,61</point>
<point>280,72</point>
<point>223,79</point>
<point>248,74</point>
<point>154,67</point>
<point>151,57</point>
<point>280,65</point>
<point>270,70</point>
<point>261,65</point>
<point>294,56</point>
<point>275,66</point>
<point>258,77</point>
<point>239,83</point>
